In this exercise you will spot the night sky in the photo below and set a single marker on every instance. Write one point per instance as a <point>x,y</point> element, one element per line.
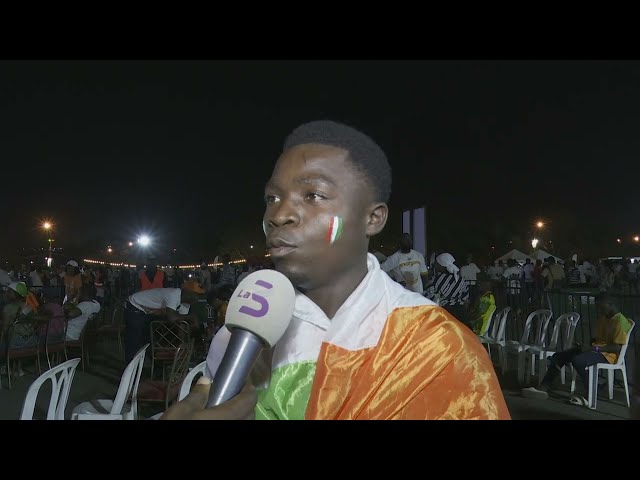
<point>182,149</point>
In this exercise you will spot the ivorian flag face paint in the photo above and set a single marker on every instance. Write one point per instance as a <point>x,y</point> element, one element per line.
<point>335,229</point>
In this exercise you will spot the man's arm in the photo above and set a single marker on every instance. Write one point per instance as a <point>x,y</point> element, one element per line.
<point>423,266</point>
<point>390,263</point>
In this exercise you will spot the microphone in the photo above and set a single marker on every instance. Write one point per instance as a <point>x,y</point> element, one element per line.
<point>258,314</point>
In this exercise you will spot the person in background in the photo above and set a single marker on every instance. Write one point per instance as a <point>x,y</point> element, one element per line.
<point>151,277</point>
<point>611,333</point>
<point>407,265</point>
<point>485,309</point>
<point>448,289</point>
<point>78,315</point>
<point>469,273</point>
<point>72,282</point>
<point>147,305</point>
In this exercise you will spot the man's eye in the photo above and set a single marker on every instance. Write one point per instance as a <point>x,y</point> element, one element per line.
<point>271,198</point>
<point>315,196</point>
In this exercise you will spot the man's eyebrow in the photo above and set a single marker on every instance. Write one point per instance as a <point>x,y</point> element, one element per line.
<point>315,178</point>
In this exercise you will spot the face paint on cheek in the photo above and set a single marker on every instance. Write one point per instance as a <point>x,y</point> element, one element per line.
<point>335,229</point>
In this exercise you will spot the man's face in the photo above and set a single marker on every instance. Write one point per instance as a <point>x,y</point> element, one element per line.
<point>406,242</point>
<point>315,195</point>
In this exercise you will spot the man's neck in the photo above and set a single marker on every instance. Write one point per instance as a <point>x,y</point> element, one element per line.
<point>331,297</point>
<point>405,250</point>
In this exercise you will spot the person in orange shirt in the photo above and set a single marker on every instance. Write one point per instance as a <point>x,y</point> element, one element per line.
<point>151,277</point>
<point>72,282</point>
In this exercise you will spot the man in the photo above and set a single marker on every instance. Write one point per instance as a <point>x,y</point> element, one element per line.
<point>553,274</point>
<point>448,289</point>
<point>407,265</point>
<point>469,273</point>
<point>151,277</point>
<point>228,275</point>
<point>143,307</point>
<point>359,345</point>
<point>78,315</point>
<point>611,334</point>
<point>513,274</point>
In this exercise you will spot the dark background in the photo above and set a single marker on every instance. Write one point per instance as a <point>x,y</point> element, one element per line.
<point>182,149</point>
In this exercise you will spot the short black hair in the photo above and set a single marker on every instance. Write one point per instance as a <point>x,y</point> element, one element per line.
<point>364,153</point>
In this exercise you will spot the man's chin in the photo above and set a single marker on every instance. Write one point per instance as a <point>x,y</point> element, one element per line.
<point>295,276</point>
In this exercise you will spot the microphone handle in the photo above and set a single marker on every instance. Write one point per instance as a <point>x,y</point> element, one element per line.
<point>242,352</point>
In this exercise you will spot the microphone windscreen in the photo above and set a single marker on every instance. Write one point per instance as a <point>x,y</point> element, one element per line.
<point>263,304</point>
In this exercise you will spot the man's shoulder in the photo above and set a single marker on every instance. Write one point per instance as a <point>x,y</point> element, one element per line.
<point>429,323</point>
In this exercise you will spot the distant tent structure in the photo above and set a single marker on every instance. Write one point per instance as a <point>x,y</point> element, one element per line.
<point>542,255</point>
<point>516,255</point>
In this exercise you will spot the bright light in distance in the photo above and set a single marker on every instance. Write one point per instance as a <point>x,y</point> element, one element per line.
<point>144,240</point>
<point>539,224</point>
<point>636,238</point>
<point>109,250</point>
<point>131,244</point>
<point>619,241</point>
<point>534,242</point>
<point>46,225</point>
<point>251,246</point>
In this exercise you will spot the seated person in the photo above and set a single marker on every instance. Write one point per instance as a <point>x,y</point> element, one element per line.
<point>484,309</point>
<point>51,313</point>
<point>611,334</point>
<point>20,305</point>
<point>78,315</point>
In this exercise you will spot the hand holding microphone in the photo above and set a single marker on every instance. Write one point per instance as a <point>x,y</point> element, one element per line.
<point>257,316</point>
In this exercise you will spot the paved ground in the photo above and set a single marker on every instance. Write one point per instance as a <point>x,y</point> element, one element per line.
<point>102,376</point>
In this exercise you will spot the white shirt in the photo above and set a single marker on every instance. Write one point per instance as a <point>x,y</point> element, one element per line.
<point>528,271</point>
<point>514,274</point>
<point>76,325</point>
<point>407,267</point>
<point>156,298</point>
<point>470,273</point>
<point>495,272</point>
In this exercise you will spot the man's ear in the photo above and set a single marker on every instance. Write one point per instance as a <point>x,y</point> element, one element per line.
<point>377,218</point>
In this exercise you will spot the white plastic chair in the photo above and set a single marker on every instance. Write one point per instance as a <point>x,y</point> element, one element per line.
<point>566,322</point>
<point>185,388</point>
<point>117,409</point>
<point>539,318</point>
<point>497,329</point>
<point>611,367</point>
<point>60,387</point>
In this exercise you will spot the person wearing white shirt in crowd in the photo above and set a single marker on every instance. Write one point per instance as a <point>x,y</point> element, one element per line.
<point>495,271</point>
<point>469,273</point>
<point>144,306</point>
<point>407,265</point>
<point>36,279</point>
<point>79,314</point>
<point>514,275</point>
<point>529,280</point>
